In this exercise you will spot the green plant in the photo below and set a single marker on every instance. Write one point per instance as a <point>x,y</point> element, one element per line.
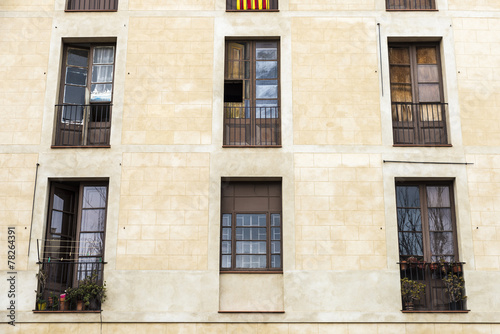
<point>411,290</point>
<point>88,290</point>
<point>454,287</point>
<point>42,281</point>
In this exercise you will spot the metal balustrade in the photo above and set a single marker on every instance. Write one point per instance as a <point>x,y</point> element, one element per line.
<point>92,5</point>
<point>410,4</point>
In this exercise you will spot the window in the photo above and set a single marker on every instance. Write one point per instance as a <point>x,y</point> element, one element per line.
<point>92,5</point>
<point>73,248</point>
<point>428,240</point>
<point>411,4</point>
<point>252,5</point>
<point>251,226</point>
<point>84,109</point>
<point>251,93</point>
<point>418,111</point>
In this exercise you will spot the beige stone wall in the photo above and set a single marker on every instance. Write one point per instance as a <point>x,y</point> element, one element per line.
<point>163,222</point>
<point>477,50</point>
<point>335,82</point>
<point>339,217</point>
<point>170,5</point>
<point>326,5</point>
<point>484,183</point>
<point>17,180</point>
<point>168,87</point>
<point>473,5</point>
<point>24,53</point>
<point>27,5</point>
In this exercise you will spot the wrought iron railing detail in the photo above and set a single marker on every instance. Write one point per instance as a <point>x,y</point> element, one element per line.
<point>92,5</point>
<point>83,125</point>
<point>419,123</point>
<point>444,285</point>
<point>251,5</point>
<point>411,4</point>
<point>252,126</point>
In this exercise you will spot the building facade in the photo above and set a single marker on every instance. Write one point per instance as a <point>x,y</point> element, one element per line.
<point>251,166</point>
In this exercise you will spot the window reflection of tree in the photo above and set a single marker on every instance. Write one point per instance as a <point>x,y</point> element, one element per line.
<point>409,221</point>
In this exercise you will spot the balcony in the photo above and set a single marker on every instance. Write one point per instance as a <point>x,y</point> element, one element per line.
<point>252,126</point>
<point>419,124</point>
<point>92,5</point>
<point>252,5</point>
<point>411,4</point>
<point>57,277</point>
<point>83,125</point>
<point>442,286</point>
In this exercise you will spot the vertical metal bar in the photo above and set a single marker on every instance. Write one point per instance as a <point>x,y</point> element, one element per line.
<point>380,57</point>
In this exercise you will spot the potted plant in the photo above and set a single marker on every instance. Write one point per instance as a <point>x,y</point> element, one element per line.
<point>89,293</point>
<point>41,303</point>
<point>455,290</point>
<point>53,303</point>
<point>411,290</point>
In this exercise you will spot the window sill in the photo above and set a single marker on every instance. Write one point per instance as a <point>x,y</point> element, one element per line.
<point>251,146</point>
<point>86,146</point>
<point>252,10</point>
<point>68,311</point>
<point>422,145</point>
<point>412,10</point>
<point>251,272</point>
<point>251,311</point>
<point>443,311</point>
<point>89,10</point>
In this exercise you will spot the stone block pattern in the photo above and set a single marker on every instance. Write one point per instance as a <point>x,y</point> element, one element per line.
<point>163,220</point>
<point>27,5</point>
<point>24,55</point>
<point>171,5</point>
<point>332,5</point>
<point>477,51</point>
<point>17,180</point>
<point>339,212</point>
<point>484,182</point>
<point>473,5</point>
<point>168,87</point>
<point>335,84</point>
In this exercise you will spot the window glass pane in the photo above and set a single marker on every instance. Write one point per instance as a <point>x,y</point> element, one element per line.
<point>226,261</point>
<point>103,55</point>
<point>410,244</point>
<point>266,89</point>
<point>94,197</point>
<point>428,73</point>
<point>426,55</point>
<point>275,247</point>
<point>74,95</point>
<point>401,92</point>
<point>430,112</point>
<point>400,74</point>
<point>409,220</point>
<point>275,233</point>
<point>250,247</point>
<point>100,92</point>
<point>402,112</point>
<point>93,220</point>
<point>275,261</point>
<point>91,244</point>
<point>408,196</point>
<point>250,220</point>
<point>56,223</point>
<point>438,197</point>
<point>250,233</point>
<point>72,113</point>
<point>250,261</point>
<point>440,220</point>
<point>226,219</point>
<point>266,109</point>
<point>76,76</point>
<point>102,73</point>
<point>399,55</point>
<point>266,69</point>
<point>226,233</point>
<point>428,93</point>
<point>266,50</point>
<point>78,57</point>
<point>226,247</point>
<point>275,219</point>
<point>442,243</point>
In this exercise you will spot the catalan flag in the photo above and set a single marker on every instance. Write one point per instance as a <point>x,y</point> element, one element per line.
<point>252,4</point>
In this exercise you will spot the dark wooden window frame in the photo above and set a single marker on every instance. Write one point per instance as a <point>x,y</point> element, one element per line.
<point>233,212</point>
<point>103,107</point>
<point>91,6</point>
<point>252,121</point>
<point>410,5</point>
<point>416,105</point>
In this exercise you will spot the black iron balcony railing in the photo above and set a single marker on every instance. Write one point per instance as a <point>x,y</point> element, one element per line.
<point>252,126</point>
<point>252,5</point>
<point>443,286</point>
<point>56,276</point>
<point>410,4</point>
<point>419,123</point>
<point>92,5</point>
<point>83,125</point>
